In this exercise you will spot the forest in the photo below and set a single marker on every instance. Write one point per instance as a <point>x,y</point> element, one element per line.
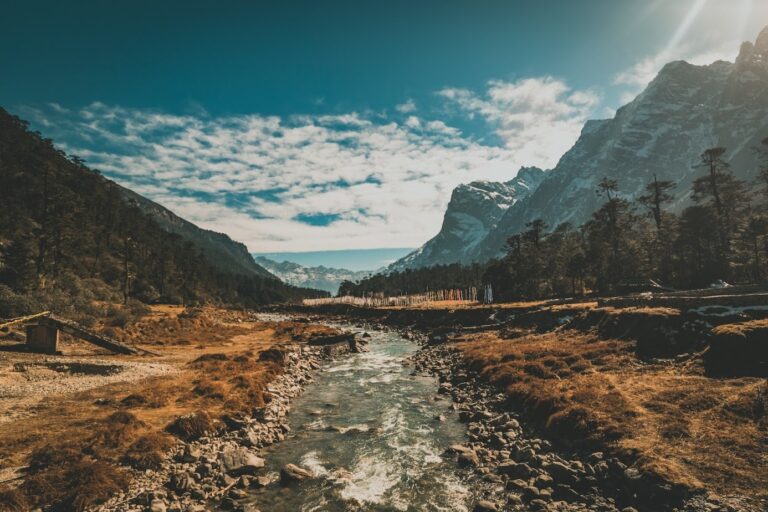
<point>626,246</point>
<point>70,240</point>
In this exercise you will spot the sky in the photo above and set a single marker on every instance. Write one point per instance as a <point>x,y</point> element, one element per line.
<point>338,125</point>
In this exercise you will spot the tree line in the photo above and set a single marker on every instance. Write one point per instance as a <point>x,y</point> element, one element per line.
<point>66,228</point>
<point>626,245</point>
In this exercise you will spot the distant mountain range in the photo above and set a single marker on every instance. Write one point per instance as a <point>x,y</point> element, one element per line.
<point>683,111</point>
<point>319,278</point>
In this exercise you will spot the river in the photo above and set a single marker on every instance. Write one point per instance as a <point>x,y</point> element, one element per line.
<point>370,430</point>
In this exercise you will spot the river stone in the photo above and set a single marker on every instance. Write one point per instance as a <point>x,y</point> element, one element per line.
<point>181,482</point>
<point>561,472</point>
<point>514,469</point>
<point>485,506</point>
<point>292,473</point>
<point>191,454</point>
<point>157,506</point>
<point>239,461</point>
<point>468,458</point>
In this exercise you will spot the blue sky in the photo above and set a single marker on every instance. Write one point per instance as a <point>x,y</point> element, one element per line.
<point>306,126</point>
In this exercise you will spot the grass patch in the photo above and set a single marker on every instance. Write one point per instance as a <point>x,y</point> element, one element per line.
<point>671,420</point>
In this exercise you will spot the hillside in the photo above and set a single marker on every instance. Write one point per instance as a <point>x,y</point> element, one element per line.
<point>319,278</point>
<point>70,238</point>
<point>225,254</point>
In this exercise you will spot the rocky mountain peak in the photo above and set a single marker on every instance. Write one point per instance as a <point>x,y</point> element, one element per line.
<point>761,45</point>
<point>756,53</point>
<point>686,109</point>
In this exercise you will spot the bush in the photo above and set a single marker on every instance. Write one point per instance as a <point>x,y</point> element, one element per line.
<point>192,426</point>
<point>118,317</point>
<point>13,304</point>
<point>149,451</point>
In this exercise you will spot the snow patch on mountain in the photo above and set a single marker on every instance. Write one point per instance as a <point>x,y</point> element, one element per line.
<point>319,278</point>
<point>474,210</point>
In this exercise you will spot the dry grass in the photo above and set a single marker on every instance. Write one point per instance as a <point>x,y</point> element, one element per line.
<point>74,445</point>
<point>674,421</point>
<point>148,451</point>
<point>739,349</point>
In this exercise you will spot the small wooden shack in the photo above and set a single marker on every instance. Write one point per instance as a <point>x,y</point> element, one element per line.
<point>43,330</point>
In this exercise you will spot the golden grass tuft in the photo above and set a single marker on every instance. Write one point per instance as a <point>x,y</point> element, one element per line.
<point>149,451</point>
<point>192,426</point>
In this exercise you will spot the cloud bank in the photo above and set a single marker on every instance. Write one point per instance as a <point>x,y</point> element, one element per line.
<point>322,182</point>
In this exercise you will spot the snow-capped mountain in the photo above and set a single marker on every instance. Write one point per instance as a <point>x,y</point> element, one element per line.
<point>683,111</point>
<point>474,210</point>
<point>319,278</point>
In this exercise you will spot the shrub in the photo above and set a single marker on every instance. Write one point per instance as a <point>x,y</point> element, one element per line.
<point>192,426</point>
<point>149,451</point>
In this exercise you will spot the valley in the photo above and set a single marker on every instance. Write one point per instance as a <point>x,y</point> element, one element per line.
<point>529,406</point>
<point>366,257</point>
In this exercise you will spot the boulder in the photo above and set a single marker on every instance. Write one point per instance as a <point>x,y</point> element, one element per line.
<point>485,506</point>
<point>469,458</point>
<point>292,473</point>
<point>240,461</point>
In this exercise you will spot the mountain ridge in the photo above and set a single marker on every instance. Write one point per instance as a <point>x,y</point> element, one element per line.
<point>223,252</point>
<point>320,277</point>
<point>684,110</point>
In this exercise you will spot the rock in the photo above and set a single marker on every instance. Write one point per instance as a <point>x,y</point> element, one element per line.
<point>292,473</point>
<point>561,472</point>
<point>181,482</point>
<point>469,458</point>
<point>237,494</point>
<point>239,461</point>
<point>526,454</point>
<point>485,506</point>
<point>261,481</point>
<point>530,492</point>
<point>596,457</point>
<point>517,484</point>
<point>515,469</point>
<point>191,454</point>
<point>157,506</point>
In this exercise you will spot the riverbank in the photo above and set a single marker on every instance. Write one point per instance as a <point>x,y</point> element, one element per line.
<point>174,431</point>
<point>676,427</point>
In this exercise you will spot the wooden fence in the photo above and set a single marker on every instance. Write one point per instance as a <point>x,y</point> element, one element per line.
<point>376,300</point>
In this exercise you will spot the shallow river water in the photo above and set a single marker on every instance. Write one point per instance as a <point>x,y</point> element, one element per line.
<point>369,428</point>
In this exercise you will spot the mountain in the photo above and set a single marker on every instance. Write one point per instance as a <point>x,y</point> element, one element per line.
<point>319,278</point>
<point>473,212</point>
<point>663,131</point>
<point>71,238</point>
<point>224,253</point>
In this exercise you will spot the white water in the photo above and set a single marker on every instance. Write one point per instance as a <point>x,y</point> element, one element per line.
<point>367,428</point>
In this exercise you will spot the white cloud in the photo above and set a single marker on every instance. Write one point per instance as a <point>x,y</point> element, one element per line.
<point>538,119</point>
<point>384,183</point>
<point>407,107</point>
